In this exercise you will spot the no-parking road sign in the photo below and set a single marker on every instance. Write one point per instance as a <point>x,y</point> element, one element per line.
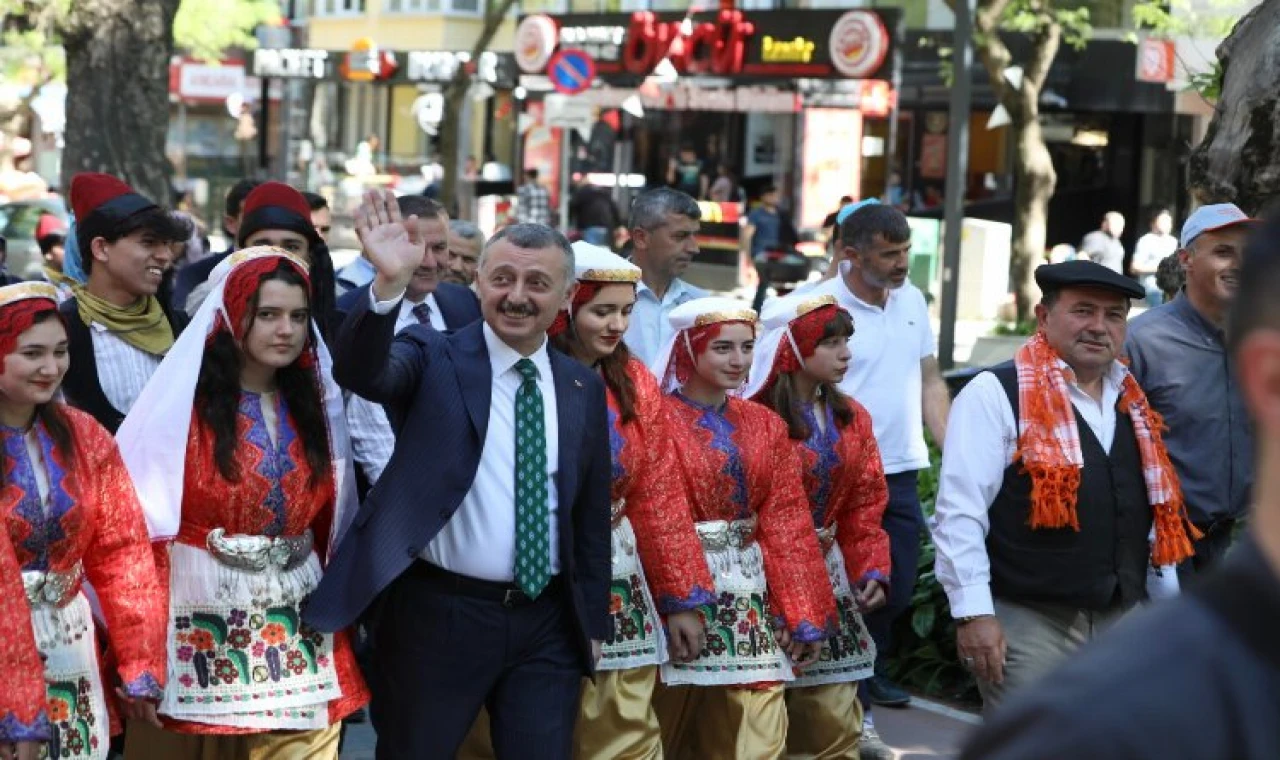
<point>571,71</point>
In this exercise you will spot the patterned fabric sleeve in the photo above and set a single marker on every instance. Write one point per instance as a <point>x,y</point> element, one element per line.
<point>23,716</point>
<point>658,507</point>
<point>863,499</point>
<point>121,567</point>
<point>799,588</point>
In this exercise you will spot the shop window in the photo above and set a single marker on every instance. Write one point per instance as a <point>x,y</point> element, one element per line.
<point>465,6</point>
<point>339,7</point>
<point>544,6</point>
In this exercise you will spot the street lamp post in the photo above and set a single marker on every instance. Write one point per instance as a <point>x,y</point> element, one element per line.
<point>957,177</point>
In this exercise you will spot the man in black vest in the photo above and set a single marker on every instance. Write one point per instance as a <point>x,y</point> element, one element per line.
<point>117,328</point>
<point>1198,677</point>
<point>1044,507</point>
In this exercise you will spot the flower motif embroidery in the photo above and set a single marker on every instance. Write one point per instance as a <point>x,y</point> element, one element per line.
<point>186,680</point>
<point>239,638</point>
<point>201,640</point>
<point>273,633</point>
<point>59,710</point>
<point>296,662</point>
<point>182,622</point>
<point>237,617</point>
<point>185,653</point>
<point>225,670</point>
<point>259,649</point>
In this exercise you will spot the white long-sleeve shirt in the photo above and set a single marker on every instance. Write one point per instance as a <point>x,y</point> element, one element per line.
<point>479,541</point>
<point>982,437</point>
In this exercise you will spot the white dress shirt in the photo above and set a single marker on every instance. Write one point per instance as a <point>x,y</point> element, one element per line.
<point>885,376</point>
<point>372,440</point>
<point>479,541</point>
<point>123,369</point>
<point>982,437</point>
<point>650,328</point>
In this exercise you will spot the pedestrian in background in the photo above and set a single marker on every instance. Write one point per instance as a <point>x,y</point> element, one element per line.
<point>1178,354</point>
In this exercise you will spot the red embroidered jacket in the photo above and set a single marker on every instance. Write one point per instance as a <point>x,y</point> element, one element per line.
<point>93,517</point>
<point>844,478</point>
<point>647,475</point>
<point>738,462</point>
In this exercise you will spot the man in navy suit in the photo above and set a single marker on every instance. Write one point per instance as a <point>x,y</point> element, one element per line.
<point>485,543</point>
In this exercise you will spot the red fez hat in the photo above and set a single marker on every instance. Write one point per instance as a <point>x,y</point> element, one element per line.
<point>49,225</point>
<point>91,191</point>
<point>276,206</point>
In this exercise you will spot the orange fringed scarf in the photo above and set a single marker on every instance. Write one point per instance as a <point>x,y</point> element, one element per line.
<point>1049,448</point>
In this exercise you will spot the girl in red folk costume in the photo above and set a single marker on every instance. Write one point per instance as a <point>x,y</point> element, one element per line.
<point>774,605</point>
<point>240,454</point>
<point>650,516</point>
<point>801,356</point>
<point>658,567</point>
<point>70,515</point>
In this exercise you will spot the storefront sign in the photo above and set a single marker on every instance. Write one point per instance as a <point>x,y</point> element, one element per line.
<point>1156,61</point>
<point>686,97</point>
<point>367,63</point>
<point>858,44</point>
<point>207,82</point>
<point>441,66</point>
<point>535,42</point>
<point>729,43</point>
<point>291,63</point>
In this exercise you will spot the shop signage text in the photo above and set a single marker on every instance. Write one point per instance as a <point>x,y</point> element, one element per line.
<point>291,63</point>
<point>706,48</point>
<point>799,50</point>
<point>437,66</point>
<point>852,44</point>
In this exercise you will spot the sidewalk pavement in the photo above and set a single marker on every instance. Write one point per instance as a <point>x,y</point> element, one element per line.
<point>925,731</point>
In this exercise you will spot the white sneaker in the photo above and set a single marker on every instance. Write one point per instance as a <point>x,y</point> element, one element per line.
<point>872,747</point>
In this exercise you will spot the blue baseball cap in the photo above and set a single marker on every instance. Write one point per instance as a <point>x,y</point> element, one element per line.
<point>848,210</point>
<point>1216,216</point>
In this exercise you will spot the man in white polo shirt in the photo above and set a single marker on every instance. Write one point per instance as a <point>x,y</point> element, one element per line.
<point>894,374</point>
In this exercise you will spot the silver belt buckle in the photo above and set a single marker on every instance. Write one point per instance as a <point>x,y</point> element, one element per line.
<point>510,597</point>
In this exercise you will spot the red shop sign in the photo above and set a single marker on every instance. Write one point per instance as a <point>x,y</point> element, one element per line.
<point>708,48</point>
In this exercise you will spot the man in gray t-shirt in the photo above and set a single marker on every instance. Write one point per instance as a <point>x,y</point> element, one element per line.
<point>1103,245</point>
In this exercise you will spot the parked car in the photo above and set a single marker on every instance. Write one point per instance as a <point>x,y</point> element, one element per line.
<point>18,221</point>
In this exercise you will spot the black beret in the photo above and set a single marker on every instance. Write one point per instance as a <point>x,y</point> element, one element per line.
<point>1086,274</point>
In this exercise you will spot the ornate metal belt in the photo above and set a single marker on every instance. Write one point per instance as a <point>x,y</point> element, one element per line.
<point>827,537</point>
<point>257,554</point>
<point>52,588</point>
<point>718,535</point>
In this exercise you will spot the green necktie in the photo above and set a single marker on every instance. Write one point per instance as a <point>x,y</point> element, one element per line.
<point>533,544</point>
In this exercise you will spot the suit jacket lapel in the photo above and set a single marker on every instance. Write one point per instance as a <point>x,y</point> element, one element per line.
<point>570,412</point>
<point>475,374</point>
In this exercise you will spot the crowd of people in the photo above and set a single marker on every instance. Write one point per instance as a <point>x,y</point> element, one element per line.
<point>531,499</point>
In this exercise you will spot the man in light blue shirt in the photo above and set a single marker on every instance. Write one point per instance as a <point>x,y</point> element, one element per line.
<point>664,225</point>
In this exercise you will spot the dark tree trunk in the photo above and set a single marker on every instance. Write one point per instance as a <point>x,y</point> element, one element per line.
<point>1034,181</point>
<point>495,12</point>
<point>118,91</point>
<point>1239,159</point>
<point>1034,178</point>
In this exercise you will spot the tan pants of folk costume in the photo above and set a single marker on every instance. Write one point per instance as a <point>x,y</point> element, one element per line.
<point>616,720</point>
<point>701,722</point>
<point>146,742</point>
<point>824,722</point>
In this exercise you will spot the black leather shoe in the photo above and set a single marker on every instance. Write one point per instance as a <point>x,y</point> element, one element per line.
<point>886,693</point>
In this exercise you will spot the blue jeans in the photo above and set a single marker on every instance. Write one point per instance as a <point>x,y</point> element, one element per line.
<point>903,521</point>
